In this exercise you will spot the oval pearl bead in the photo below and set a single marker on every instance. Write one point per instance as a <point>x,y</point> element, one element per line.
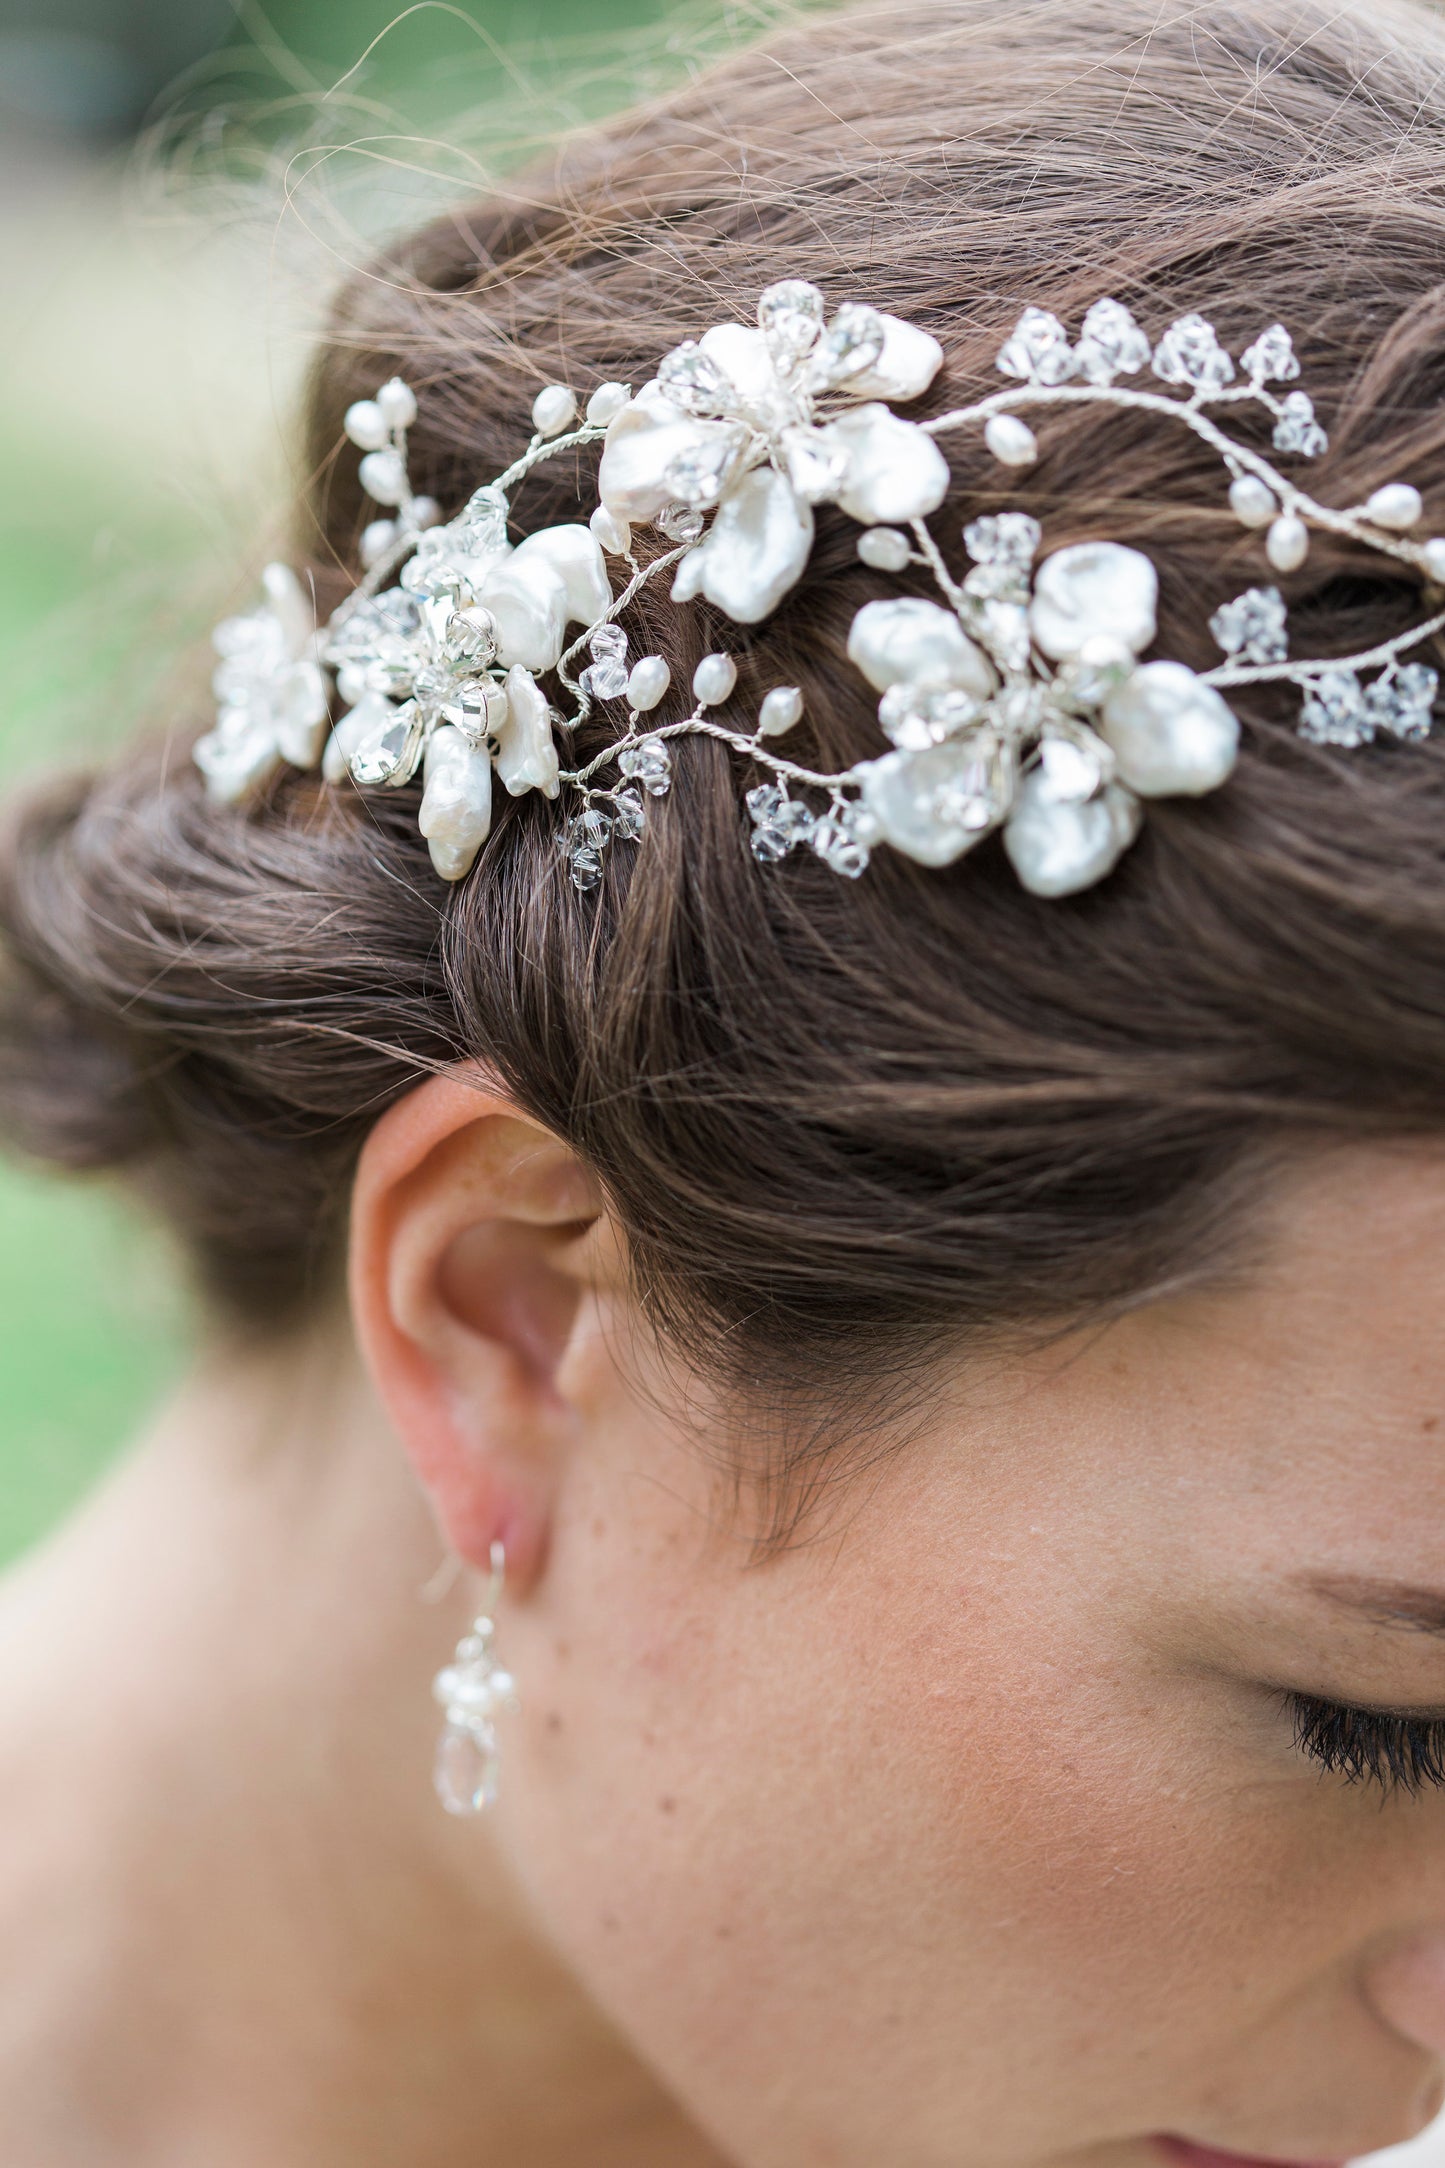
<point>1089,588</point>
<point>781,708</point>
<point>1172,735</point>
<point>1011,440</point>
<point>647,682</point>
<point>714,679</point>
<point>383,477</point>
<point>553,410</point>
<point>376,540</point>
<point>1434,555</point>
<point>613,534</point>
<point>1252,501</point>
<point>1059,847</point>
<point>365,424</point>
<point>886,549</point>
<point>1396,504</point>
<point>1288,543</point>
<point>607,403</point>
<point>426,512</point>
<point>397,403</point>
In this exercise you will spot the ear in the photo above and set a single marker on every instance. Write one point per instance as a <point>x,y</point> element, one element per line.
<point>474,1236</point>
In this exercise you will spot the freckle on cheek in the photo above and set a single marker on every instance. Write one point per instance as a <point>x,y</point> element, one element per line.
<point>667,1806</point>
<point>554,1721</point>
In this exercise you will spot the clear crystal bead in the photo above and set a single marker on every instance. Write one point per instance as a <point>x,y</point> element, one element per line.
<point>389,754</point>
<point>1111,344</point>
<point>607,639</point>
<point>443,578</point>
<point>585,867</point>
<point>607,679</point>
<point>693,381</point>
<point>629,817</point>
<point>1403,704</point>
<point>1189,353</point>
<point>471,639</point>
<point>1003,538</point>
<point>1297,430</point>
<point>466,1769</point>
<point>1253,627</point>
<point>698,475</point>
<point>836,841</point>
<point>1037,349</point>
<point>681,523</point>
<point>650,764</point>
<point>1334,711</point>
<point>790,317</point>
<point>852,343</point>
<point>1271,359</point>
<point>770,843</point>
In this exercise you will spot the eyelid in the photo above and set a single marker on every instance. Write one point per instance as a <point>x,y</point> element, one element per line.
<point>1389,1748</point>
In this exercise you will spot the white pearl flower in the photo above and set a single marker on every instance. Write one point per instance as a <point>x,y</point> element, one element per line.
<point>271,693</point>
<point>757,425</point>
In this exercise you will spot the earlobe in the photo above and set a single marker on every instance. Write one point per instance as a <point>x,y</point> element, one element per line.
<point>467,1271</point>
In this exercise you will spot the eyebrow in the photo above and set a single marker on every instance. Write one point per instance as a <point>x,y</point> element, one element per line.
<point>1384,1603</point>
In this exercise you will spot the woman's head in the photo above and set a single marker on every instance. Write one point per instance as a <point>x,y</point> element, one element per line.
<point>989,1246</point>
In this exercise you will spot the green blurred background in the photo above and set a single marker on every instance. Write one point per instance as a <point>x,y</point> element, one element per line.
<point>181,179</point>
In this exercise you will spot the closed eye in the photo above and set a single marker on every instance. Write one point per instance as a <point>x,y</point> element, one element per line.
<point>1370,1746</point>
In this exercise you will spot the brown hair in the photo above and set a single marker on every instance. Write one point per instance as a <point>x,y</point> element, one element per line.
<point>839,1121</point>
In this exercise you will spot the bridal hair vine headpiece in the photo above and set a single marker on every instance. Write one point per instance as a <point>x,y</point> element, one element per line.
<point>1018,701</point>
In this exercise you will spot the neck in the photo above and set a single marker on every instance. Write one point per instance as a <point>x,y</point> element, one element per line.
<point>235,1925</point>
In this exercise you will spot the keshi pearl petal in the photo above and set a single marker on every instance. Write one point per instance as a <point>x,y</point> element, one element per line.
<point>907,795</point>
<point>713,680</point>
<point>397,403</point>
<point>1011,440</point>
<point>649,680</point>
<point>1395,504</point>
<point>530,609</point>
<point>781,709</point>
<point>1252,501</point>
<point>526,752</point>
<point>1094,587</point>
<point>754,551</point>
<point>913,641</point>
<point>1059,847</point>
<point>886,549</point>
<point>607,403</point>
<point>895,470</point>
<point>910,360</point>
<point>573,553</point>
<point>1288,543</point>
<point>613,534</point>
<point>1172,735</point>
<point>553,410</point>
<point>365,424</point>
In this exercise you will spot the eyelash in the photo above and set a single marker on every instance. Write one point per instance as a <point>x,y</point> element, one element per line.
<point>1370,1746</point>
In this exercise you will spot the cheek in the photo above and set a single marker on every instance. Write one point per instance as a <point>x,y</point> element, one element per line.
<point>857,1866</point>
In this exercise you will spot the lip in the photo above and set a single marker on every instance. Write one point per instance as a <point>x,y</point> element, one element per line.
<point>1184,2153</point>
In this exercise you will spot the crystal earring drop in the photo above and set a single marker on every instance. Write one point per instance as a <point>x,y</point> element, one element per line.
<point>471,1689</point>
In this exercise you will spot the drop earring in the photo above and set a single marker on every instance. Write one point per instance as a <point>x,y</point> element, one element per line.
<point>471,1689</point>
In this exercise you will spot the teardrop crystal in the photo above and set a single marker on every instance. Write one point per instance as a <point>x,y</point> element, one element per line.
<point>466,1770</point>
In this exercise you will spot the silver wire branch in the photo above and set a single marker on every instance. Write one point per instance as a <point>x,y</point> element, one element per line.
<point>1300,673</point>
<point>641,574</point>
<point>538,450</point>
<point>697,724</point>
<point>1239,458</point>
